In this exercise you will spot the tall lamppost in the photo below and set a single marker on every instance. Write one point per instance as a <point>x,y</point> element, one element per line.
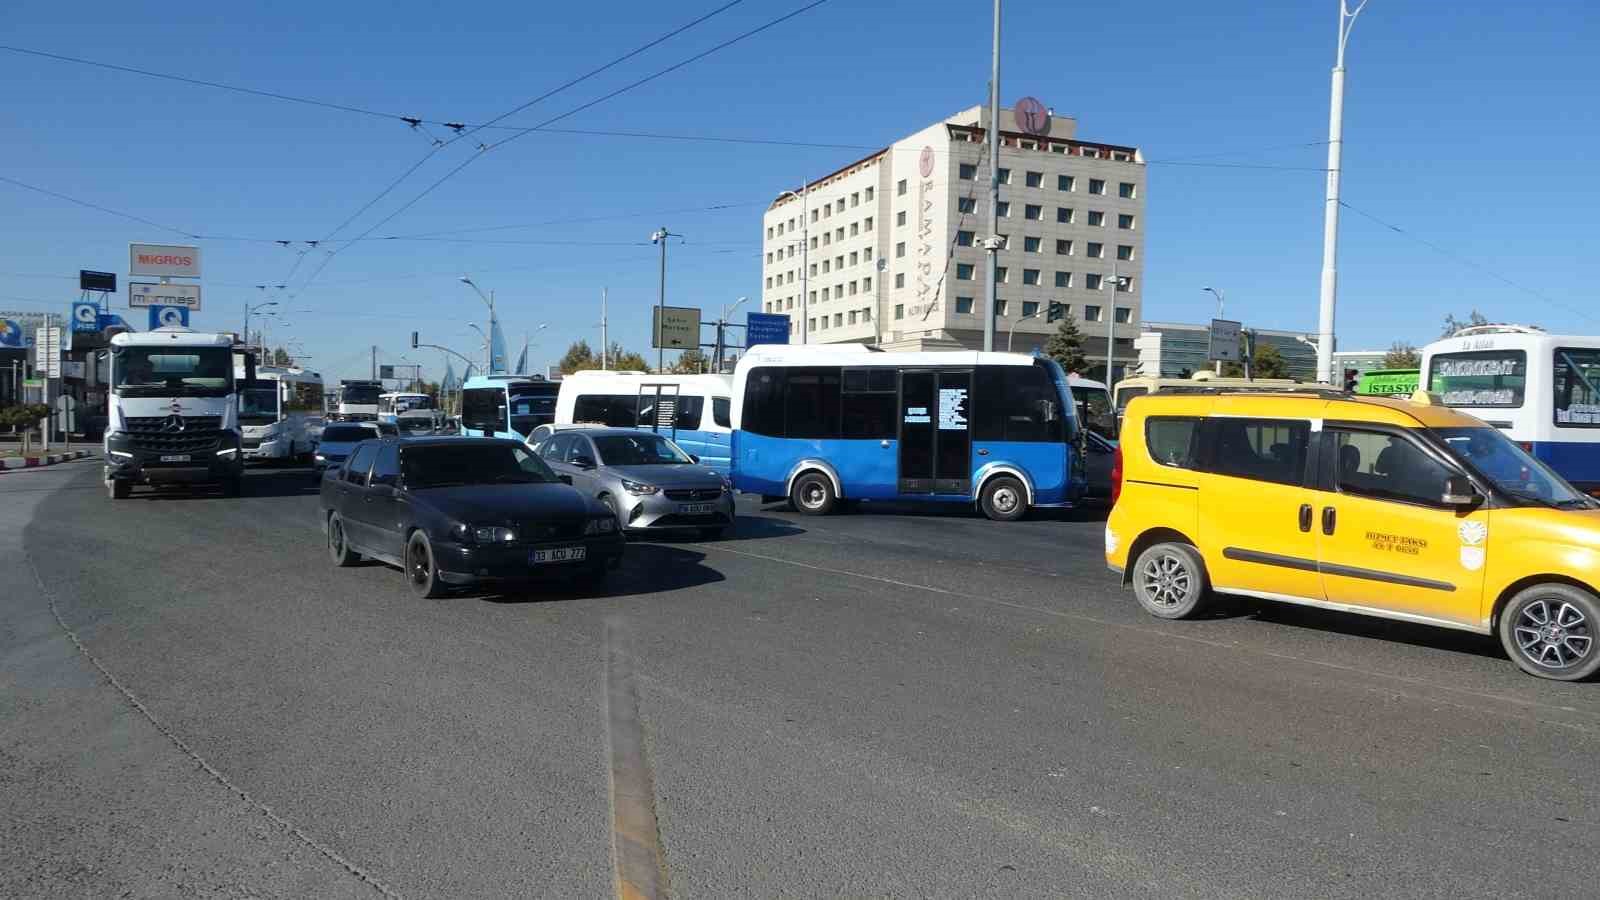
<point>248,310</point>
<point>1218,293</point>
<point>1330,213</point>
<point>486,348</point>
<point>488,300</point>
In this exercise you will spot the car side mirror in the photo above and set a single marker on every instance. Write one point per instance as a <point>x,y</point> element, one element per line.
<point>583,462</point>
<point>693,458</point>
<point>1458,491</point>
<point>565,479</point>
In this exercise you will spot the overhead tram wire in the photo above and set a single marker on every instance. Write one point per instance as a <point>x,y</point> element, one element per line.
<point>95,206</point>
<point>461,132</point>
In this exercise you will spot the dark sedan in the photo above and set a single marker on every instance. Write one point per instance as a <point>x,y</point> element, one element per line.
<point>464,511</point>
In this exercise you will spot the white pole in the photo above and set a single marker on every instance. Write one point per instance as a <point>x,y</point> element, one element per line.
<point>1111,327</point>
<point>992,240</point>
<point>605,336</point>
<point>1330,218</point>
<point>805,261</point>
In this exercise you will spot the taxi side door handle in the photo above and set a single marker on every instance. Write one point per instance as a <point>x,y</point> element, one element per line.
<point>1329,519</point>
<point>1305,517</point>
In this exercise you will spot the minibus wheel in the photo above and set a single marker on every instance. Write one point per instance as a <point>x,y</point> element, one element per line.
<point>813,494</point>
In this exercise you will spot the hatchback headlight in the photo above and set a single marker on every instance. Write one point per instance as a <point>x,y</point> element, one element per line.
<point>635,487</point>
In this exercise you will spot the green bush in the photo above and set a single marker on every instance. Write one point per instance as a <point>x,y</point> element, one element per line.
<point>25,415</point>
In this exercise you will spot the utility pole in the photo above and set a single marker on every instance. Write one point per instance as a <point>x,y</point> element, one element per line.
<point>374,362</point>
<point>1111,326</point>
<point>991,243</point>
<point>605,337</point>
<point>660,237</point>
<point>1330,215</point>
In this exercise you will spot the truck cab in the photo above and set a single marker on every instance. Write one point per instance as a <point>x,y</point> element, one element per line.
<point>174,410</point>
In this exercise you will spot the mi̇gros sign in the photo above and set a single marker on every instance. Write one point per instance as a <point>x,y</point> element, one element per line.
<point>163,261</point>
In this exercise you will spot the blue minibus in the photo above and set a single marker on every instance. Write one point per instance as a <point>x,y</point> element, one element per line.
<point>507,406</point>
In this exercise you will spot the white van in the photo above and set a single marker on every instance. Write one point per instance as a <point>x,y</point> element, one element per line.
<point>693,410</point>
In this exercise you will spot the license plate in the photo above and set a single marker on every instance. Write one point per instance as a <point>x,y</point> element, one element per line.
<point>558,555</point>
<point>175,457</point>
<point>696,509</point>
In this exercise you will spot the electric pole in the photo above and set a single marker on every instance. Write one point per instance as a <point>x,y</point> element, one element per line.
<point>660,237</point>
<point>991,242</point>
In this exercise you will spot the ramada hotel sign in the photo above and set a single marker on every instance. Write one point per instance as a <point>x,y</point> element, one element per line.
<point>163,261</point>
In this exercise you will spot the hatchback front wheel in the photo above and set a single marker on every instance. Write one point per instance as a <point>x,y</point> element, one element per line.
<point>1170,581</point>
<point>1549,630</point>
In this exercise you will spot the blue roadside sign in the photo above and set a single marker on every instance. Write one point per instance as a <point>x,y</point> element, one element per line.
<point>766,328</point>
<point>85,316</point>
<point>168,315</point>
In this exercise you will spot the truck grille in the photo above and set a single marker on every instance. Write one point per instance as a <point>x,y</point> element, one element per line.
<point>694,493</point>
<point>153,434</point>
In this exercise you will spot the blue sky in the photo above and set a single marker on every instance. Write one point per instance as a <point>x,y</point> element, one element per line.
<point>1471,131</point>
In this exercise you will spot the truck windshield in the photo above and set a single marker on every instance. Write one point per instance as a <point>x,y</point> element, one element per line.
<point>259,405</point>
<point>172,371</point>
<point>360,394</point>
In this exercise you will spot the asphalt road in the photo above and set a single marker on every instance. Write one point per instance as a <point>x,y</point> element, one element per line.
<point>881,703</point>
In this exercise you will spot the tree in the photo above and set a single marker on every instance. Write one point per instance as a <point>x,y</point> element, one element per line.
<point>1402,355</point>
<point>1066,346</point>
<point>1453,324</point>
<point>278,357</point>
<point>691,362</point>
<point>1267,362</point>
<point>621,360</point>
<point>578,357</point>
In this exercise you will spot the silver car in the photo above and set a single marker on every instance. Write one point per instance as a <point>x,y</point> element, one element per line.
<point>647,480</point>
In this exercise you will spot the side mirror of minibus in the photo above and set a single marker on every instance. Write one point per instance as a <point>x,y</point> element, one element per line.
<point>1458,491</point>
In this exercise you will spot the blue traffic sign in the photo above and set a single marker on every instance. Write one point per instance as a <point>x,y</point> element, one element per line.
<point>161,316</point>
<point>85,316</point>
<point>766,328</point>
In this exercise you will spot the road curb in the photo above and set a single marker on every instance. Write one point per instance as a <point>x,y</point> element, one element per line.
<point>18,462</point>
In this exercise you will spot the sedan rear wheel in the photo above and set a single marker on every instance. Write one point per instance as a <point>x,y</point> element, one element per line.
<point>339,543</point>
<point>421,572</point>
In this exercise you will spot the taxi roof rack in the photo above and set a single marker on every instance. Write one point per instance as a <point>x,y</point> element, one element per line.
<point>1201,387</point>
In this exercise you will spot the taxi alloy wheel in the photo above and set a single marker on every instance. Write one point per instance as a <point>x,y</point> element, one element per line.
<point>421,572</point>
<point>1550,630</point>
<point>1170,581</point>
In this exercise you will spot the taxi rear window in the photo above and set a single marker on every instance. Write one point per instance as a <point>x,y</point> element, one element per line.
<point>1171,440</point>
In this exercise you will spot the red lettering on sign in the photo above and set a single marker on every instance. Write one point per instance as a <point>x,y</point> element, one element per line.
<point>146,259</point>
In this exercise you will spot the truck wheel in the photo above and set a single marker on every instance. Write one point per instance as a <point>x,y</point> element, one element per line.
<point>119,488</point>
<point>339,543</point>
<point>813,494</point>
<point>421,572</point>
<point>1170,581</point>
<point>1549,630</point>
<point>1004,499</point>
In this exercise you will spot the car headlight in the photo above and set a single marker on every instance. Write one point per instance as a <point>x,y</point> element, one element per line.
<point>605,525</point>
<point>228,451</point>
<point>492,534</point>
<point>321,458</point>
<point>634,487</point>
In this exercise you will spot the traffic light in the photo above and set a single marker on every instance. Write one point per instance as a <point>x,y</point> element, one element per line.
<point>413,340</point>
<point>1056,312</point>
<point>1352,377</point>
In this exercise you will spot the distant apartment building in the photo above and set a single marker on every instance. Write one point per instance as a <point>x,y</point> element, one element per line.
<point>888,250</point>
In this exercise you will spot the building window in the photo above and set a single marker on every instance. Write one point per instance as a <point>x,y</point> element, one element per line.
<point>964,305</point>
<point>1001,307</point>
<point>1063,279</point>
<point>963,271</point>
<point>827,212</point>
<point>838,291</point>
<point>1123,315</point>
<point>1034,179</point>
<point>813,270</point>
<point>1125,222</point>
<point>1064,215</point>
<point>1097,186</point>
<point>855,199</point>
<point>769,232</point>
<point>811,324</point>
<point>900,217</point>
<point>853,257</point>
<point>966,204</point>
<point>1063,248</point>
<point>867,195</point>
<point>964,238</point>
<point>791,276</point>
<point>900,250</point>
<point>1000,274</point>
<point>1124,252</point>
<point>769,282</point>
<point>791,300</point>
<point>814,214</point>
<point>1124,284</point>
<point>827,238</point>
<point>813,296</point>
<point>899,310</point>
<point>1092,281</point>
<point>967,172</point>
<point>825,268</point>
<point>866,284</point>
<point>866,224</point>
<point>1094,250</point>
<point>1030,308</point>
<point>1030,276</point>
<point>1066,183</point>
<point>1091,152</point>
<point>1005,176</point>
<point>866,314</point>
<point>1032,212</point>
<point>900,188</point>
<point>1091,313</point>
<point>1097,219</point>
<point>1003,209</point>
<point>838,261</point>
<point>855,228</point>
<point>899,279</point>
<point>839,207</point>
<point>1126,190</point>
<point>839,234</point>
<point>813,243</point>
<point>1030,245</point>
<point>852,318</point>
<point>852,288</point>
<point>838,320</point>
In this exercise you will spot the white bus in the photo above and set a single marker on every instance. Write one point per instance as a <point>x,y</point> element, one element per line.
<point>391,405</point>
<point>693,410</point>
<point>1542,390</point>
<point>282,415</point>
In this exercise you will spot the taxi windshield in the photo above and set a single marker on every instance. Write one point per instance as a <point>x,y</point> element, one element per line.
<point>1499,459</point>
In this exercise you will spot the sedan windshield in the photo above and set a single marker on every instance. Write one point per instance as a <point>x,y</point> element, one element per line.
<point>347,434</point>
<point>638,450</point>
<point>449,465</point>
<point>1499,459</point>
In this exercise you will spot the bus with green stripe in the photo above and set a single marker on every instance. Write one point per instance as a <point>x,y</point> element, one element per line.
<point>1385,382</point>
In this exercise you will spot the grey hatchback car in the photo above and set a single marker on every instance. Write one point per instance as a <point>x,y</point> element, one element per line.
<point>646,479</point>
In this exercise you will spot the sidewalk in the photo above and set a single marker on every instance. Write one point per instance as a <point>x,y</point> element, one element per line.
<point>33,462</point>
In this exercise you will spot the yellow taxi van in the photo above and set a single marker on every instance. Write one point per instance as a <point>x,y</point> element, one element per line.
<point>1399,508</point>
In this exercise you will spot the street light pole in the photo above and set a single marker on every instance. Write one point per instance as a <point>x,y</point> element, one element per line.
<point>660,237</point>
<point>1218,293</point>
<point>486,349</point>
<point>1330,215</point>
<point>1111,326</point>
<point>992,240</point>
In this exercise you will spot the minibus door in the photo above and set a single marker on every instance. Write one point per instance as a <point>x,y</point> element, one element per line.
<point>935,434</point>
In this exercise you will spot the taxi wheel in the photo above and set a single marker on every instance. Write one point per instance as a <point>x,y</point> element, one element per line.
<point>1549,630</point>
<point>813,494</point>
<point>421,573</point>
<point>339,544</point>
<point>1170,581</point>
<point>1004,499</point>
